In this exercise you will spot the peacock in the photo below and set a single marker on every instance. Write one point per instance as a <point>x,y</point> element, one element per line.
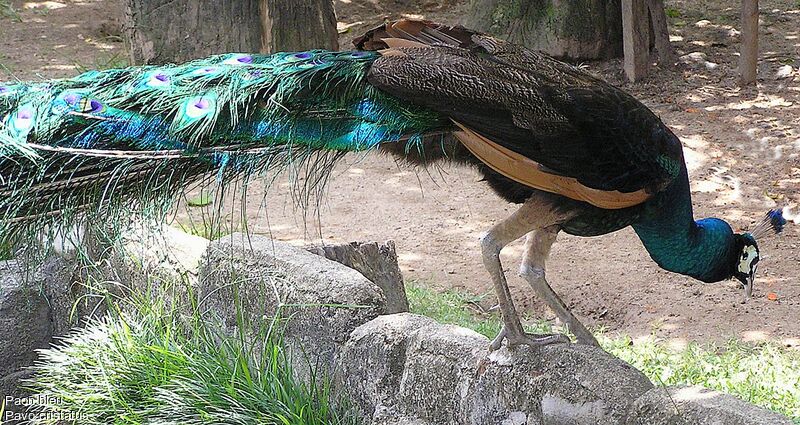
<point>578,154</point>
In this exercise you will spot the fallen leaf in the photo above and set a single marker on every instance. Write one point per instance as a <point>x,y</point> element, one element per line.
<point>201,200</point>
<point>772,296</point>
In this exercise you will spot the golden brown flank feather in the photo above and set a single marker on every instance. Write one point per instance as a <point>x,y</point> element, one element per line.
<point>530,173</point>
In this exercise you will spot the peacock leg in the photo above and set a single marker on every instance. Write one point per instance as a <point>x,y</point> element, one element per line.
<point>537,249</point>
<point>528,217</point>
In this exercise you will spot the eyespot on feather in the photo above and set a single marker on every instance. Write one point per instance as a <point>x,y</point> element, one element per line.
<point>238,59</point>
<point>20,122</point>
<point>157,79</point>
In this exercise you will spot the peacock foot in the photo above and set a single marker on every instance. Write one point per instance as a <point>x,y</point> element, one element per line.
<point>517,337</point>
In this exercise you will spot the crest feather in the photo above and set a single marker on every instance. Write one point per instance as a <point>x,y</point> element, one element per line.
<point>772,223</point>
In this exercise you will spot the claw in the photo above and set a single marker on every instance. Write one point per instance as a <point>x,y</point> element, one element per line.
<point>516,338</point>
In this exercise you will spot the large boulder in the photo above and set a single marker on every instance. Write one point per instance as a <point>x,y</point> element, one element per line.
<point>157,250</point>
<point>25,321</point>
<point>405,367</point>
<point>320,301</point>
<point>698,405</point>
<point>37,303</point>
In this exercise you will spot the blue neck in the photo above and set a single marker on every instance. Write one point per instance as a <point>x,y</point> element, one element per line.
<point>700,249</point>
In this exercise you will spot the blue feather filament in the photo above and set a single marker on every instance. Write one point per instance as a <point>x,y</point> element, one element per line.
<point>142,133</point>
<point>776,219</point>
<point>773,223</point>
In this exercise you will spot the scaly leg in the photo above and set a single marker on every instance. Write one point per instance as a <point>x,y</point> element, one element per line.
<point>537,249</point>
<point>534,214</point>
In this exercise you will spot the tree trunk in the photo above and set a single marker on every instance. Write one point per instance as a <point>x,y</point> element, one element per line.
<point>377,262</point>
<point>658,18</point>
<point>636,36</point>
<point>160,31</point>
<point>748,61</point>
<point>293,25</point>
<point>570,29</point>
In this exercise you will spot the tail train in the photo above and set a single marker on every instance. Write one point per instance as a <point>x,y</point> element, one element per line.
<point>105,139</point>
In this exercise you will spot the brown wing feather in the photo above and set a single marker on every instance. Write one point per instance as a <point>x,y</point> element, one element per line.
<point>528,172</point>
<point>420,31</point>
<point>404,37</point>
<point>394,43</point>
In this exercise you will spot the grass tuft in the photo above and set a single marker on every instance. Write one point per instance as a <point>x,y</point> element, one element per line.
<point>7,11</point>
<point>451,307</point>
<point>764,374</point>
<point>154,365</point>
<point>673,13</point>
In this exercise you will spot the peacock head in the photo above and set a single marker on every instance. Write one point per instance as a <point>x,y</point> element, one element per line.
<point>746,264</point>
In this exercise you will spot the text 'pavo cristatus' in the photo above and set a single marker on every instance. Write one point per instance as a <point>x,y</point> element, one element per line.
<point>579,155</point>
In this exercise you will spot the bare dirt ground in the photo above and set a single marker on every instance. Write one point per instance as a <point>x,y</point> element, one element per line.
<point>742,146</point>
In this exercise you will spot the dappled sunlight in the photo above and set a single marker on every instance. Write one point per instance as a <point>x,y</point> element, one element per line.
<point>764,101</point>
<point>408,257</point>
<point>756,336</point>
<point>43,5</point>
<point>726,187</point>
<point>694,393</point>
<point>677,344</point>
<point>735,215</point>
<point>71,37</point>
<point>60,67</point>
<point>793,343</point>
<point>695,152</point>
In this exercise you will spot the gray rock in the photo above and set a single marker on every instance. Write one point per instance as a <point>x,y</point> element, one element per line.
<point>378,263</point>
<point>11,385</point>
<point>162,250</point>
<point>37,303</point>
<point>320,300</point>
<point>58,280</point>
<point>698,60</point>
<point>25,322</point>
<point>559,384</point>
<point>372,363</point>
<point>694,57</point>
<point>13,391</point>
<point>698,406</point>
<point>408,366</point>
<point>785,71</point>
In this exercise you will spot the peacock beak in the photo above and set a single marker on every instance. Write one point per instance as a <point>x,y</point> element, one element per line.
<point>748,286</point>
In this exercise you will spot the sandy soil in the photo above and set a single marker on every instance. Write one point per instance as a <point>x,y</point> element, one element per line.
<point>742,146</point>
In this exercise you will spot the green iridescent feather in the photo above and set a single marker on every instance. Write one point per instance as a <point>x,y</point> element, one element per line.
<point>138,136</point>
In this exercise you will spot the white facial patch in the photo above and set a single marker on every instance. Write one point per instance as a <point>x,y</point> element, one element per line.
<point>749,254</point>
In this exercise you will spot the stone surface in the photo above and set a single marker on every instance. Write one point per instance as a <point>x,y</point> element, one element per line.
<point>559,384</point>
<point>408,366</point>
<point>25,323</point>
<point>377,262</point>
<point>58,280</point>
<point>161,250</point>
<point>698,406</point>
<point>36,304</point>
<point>697,60</point>
<point>785,71</point>
<point>320,300</point>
